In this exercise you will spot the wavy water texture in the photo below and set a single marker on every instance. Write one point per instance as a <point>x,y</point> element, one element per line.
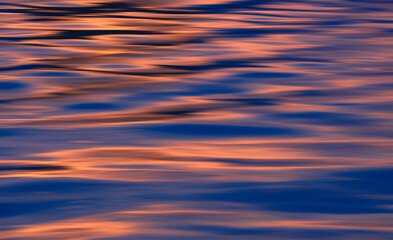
<point>196,119</point>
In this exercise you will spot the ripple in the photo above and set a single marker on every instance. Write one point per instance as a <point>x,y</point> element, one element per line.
<point>196,119</point>
<point>220,131</point>
<point>11,85</point>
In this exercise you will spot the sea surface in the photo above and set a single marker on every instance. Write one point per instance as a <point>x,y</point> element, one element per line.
<point>196,120</point>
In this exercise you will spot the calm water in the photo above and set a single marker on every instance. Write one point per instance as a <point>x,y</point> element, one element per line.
<point>196,120</point>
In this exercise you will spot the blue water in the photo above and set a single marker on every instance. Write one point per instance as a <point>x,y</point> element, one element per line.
<point>196,120</point>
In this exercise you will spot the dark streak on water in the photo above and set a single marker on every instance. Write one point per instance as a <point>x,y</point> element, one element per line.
<point>196,119</point>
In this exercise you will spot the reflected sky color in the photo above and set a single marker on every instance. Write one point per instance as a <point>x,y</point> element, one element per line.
<point>194,119</point>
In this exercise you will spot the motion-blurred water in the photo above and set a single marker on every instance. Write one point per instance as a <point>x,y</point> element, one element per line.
<point>196,119</point>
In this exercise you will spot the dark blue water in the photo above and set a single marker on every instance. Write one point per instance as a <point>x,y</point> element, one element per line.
<point>196,120</point>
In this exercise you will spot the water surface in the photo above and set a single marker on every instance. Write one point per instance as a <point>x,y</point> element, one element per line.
<point>194,119</point>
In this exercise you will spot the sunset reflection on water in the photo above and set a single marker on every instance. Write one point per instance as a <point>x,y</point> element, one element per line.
<point>196,120</point>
